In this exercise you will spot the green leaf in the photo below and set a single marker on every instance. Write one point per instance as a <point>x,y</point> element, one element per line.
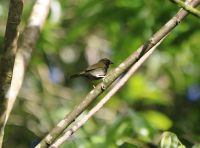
<point>160,120</point>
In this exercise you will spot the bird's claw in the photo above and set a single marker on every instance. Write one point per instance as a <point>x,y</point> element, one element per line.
<point>105,77</point>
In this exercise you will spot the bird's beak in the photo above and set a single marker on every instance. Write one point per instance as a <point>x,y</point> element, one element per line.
<point>111,63</point>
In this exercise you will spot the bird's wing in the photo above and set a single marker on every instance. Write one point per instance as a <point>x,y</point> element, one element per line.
<point>97,65</point>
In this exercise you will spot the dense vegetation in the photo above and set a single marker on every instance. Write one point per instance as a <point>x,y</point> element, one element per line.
<point>163,95</point>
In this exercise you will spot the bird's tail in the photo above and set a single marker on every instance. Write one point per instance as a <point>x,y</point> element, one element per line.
<point>75,75</point>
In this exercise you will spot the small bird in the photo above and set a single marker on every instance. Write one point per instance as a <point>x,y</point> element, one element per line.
<point>96,71</point>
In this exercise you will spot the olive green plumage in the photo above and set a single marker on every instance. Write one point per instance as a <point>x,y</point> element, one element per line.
<point>94,72</point>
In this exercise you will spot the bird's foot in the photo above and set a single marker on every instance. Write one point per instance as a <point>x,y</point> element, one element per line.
<point>93,86</point>
<point>105,77</point>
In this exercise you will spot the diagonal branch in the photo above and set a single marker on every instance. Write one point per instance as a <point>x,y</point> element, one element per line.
<point>192,10</point>
<point>7,58</point>
<point>71,117</point>
<point>62,139</point>
<point>23,55</point>
<point>26,46</point>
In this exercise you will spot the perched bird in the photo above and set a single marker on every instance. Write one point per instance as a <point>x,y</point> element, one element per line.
<point>96,71</point>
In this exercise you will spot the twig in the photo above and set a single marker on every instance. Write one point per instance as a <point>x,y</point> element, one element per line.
<point>106,98</point>
<point>7,58</point>
<point>71,117</point>
<point>192,10</point>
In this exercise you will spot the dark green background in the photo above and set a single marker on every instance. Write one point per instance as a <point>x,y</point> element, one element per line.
<point>163,94</point>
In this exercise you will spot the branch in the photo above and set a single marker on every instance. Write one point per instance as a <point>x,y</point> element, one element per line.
<point>7,58</point>
<point>106,98</point>
<point>63,124</point>
<point>192,10</point>
<point>26,46</point>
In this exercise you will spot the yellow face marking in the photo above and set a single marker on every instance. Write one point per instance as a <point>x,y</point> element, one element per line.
<point>109,61</point>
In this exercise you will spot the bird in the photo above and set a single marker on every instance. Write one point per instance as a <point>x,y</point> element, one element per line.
<point>94,72</point>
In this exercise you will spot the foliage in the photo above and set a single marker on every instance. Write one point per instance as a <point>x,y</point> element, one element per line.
<point>162,95</point>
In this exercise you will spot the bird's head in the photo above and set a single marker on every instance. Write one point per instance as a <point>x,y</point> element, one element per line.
<point>106,61</point>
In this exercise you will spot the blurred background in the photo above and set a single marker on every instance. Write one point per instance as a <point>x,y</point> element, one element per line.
<point>163,95</point>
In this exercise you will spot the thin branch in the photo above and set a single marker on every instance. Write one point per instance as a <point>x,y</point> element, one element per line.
<point>62,139</point>
<point>192,10</point>
<point>71,117</point>
<point>26,46</point>
<point>7,58</point>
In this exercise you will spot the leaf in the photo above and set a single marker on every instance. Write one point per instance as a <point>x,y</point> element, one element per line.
<point>160,120</point>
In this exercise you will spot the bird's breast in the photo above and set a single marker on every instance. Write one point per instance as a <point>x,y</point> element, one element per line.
<point>94,74</point>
